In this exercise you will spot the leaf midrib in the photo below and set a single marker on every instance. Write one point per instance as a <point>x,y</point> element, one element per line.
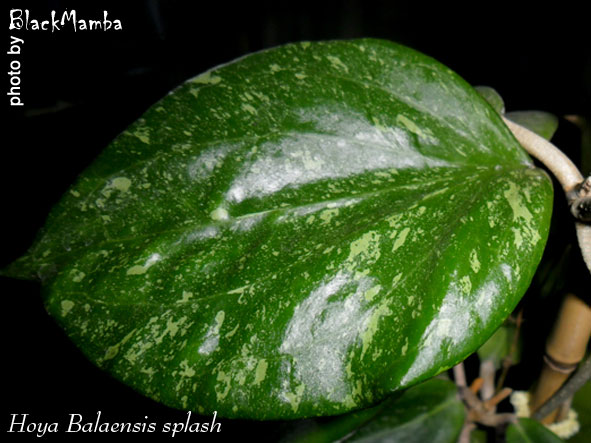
<point>51,258</point>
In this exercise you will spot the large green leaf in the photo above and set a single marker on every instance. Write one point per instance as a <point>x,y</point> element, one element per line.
<point>297,233</point>
<point>526,430</point>
<point>431,411</point>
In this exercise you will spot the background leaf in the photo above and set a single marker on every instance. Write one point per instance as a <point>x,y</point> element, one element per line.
<point>527,430</point>
<point>478,436</point>
<point>297,233</point>
<point>542,123</point>
<point>430,412</point>
<point>582,404</point>
<point>499,345</point>
<point>492,97</point>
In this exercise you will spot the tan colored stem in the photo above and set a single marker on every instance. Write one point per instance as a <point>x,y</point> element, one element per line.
<point>565,348</point>
<point>584,236</point>
<point>548,383</point>
<point>576,382</point>
<point>487,373</point>
<point>553,158</point>
<point>568,342</point>
<point>497,398</point>
<point>476,385</point>
<point>466,431</point>
<point>459,375</point>
<point>563,169</point>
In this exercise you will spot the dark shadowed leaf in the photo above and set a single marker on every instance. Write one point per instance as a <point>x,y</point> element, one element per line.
<point>582,404</point>
<point>430,412</point>
<point>300,232</point>
<point>478,436</point>
<point>499,346</point>
<point>527,430</point>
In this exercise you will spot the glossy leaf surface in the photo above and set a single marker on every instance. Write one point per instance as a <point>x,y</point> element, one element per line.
<point>527,430</point>
<point>297,233</point>
<point>430,412</point>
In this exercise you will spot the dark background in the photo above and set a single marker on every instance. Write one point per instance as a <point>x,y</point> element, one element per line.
<point>82,89</point>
